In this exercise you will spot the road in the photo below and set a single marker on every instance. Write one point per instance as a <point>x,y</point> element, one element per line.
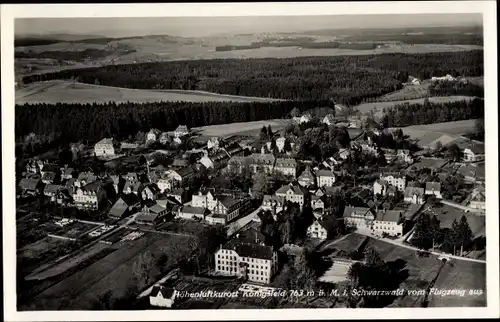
<point>395,242</point>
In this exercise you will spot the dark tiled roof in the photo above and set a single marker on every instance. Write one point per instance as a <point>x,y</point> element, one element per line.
<point>286,162</point>
<point>52,188</point>
<point>324,173</point>
<point>410,191</point>
<point>165,291</point>
<point>436,186</point>
<point>358,210</point>
<point>227,201</point>
<point>476,148</point>
<point>250,250</point>
<point>389,215</point>
<point>29,184</point>
<point>185,171</point>
<point>194,210</point>
<point>296,190</point>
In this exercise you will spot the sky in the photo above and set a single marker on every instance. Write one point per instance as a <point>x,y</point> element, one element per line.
<point>210,26</point>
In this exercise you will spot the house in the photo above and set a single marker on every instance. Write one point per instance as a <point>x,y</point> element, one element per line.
<point>131,177</point>
<point>152,215</point>
<point>132,187</point>
<point>188,212</point>
<point>150,192</point>
<point>32,166</point>
<point>175,177</point>
<point>358,217</point>
<point>405,155</point>
<point>213,143</point>
<point>164,138</point>
<point>48,177</point>
<point>474,153</point>
<point>320,228</point>
<point>207,200</point>
<point>227,209</point>
<point>85,178</point>
<point>63,197</point>
<point>325,178</point>
<point>51,190</point>
<point>153,135</point>
<point>214,161</point>
<point>117,182</point>
<point>181,131</point>
<point>389,222</point>
<point>180,163</point>
<point>30,186</point>
<point>280,144</point>
<point>414,195</point>
<point>179,194</point>
<point>318,205</point>
<point>306,179</point>
<point>433,188</point>
<point>104,148</point>
<point>292,193</point>
<point>306,118</point>
<point>397,180</point>
<point>89,196</point>
<point>262,162</point>
<point>286,166</point>
<point>66,173</point>
<point>344,154</point>
<point>128,146</point>
<point>124,206</point>
<point>329,120</point>
<point>478,199</point>
<point>275,204</point>
<point>162,296</point>
<point>255,262</point>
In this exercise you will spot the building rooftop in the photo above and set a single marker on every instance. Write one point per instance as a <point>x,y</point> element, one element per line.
<point>436,186</point>
<point>348,211</point>
<point>389,215</point>
<point>250,250</point>
<point>324,173</point>
<point>286,162</point>
<point>410,191</point>
<point>105,141</point>
<point>296,190</point>
<point>163,291</point>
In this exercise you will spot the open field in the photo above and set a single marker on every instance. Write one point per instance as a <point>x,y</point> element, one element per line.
<point>165,48</point>
<point>75,229</point>
<point>423,270</point>
<point>246,128</point>
<point>377,107</point>
<point>112,273</point>
<point>408,92</point>
<point>446,214</point>
<point>68,263</point>
<point>53,92</point>
<point>452,128</point>
<point>461,275</point>
<point>42,252</point>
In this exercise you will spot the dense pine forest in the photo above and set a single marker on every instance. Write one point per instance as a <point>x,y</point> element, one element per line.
<point>349,80</point>
<point>427,113</point>
<point>92,122</point>
<point>67,55</point>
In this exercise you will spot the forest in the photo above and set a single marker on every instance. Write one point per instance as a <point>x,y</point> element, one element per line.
<point>81,55</point>
<point>414,114</point>
<point>76,122</point>
<point>348,80</point>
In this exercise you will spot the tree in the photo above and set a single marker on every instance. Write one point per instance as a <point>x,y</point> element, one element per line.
<point>479,127</point>
<point>263,133</point>
<point>438,147</point>
<point>372,258</point>
<point>65,156</point>
<point>464,233</point>
<point>270,133</point>
<point>142,160</point>
<point>142,267</point>
<point>454,152</point>
<point>260,185</point>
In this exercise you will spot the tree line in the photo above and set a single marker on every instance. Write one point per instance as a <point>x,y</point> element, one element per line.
<point>347,79</point>
<point>90,53</point>
<point>76,122</point>
<point>429,112</point>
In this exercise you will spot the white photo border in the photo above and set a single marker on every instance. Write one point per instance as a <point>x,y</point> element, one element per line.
<point>486,8</point>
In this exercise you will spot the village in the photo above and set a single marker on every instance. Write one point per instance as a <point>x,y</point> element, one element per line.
<point>315,181</point>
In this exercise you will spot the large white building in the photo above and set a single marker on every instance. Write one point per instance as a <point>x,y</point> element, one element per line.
<point>474,153</point>
<point>414,195</point>
<point>280,144</point>
<point>398,180</point>
<point>89,196</point>
<point>162,296</point>
<point>325,178</point>
<point>286,166</point>
<point>254,261</point>
<point>104,148</point>
<point>153,135</point>
<point>389,222</point>
<point>358,217</point>
<point>292,193</point>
